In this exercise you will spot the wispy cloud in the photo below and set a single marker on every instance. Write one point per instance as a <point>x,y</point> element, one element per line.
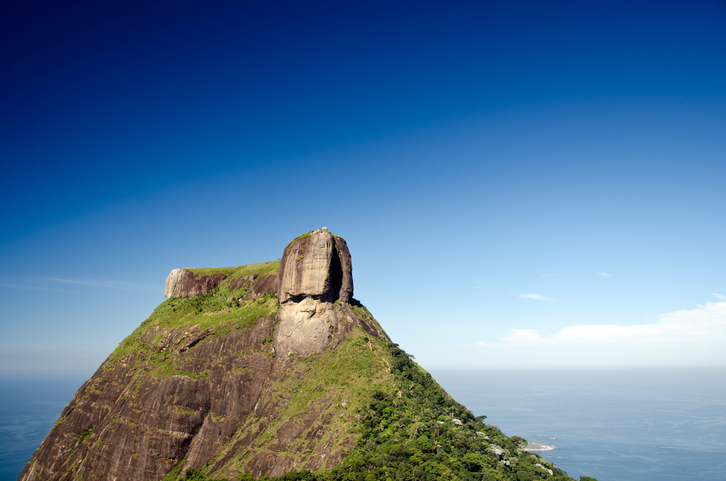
<point>604,274</point>
<point>25,287</point>
<point>706,322</point>
<point>537,297</point>
<point>719,296</point>
<point>48,283</point>
<point>125,286</point>
<point>71,281</point>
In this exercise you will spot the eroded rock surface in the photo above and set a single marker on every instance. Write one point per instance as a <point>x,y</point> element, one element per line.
<point>121,425</point>
<point>316,265</point>
<point>315,287</point>
<point>185,283</point>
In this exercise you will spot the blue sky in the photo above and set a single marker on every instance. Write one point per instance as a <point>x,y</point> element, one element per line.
<point>521,184</point>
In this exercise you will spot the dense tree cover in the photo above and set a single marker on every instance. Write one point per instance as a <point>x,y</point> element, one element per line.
<point>418,432</point>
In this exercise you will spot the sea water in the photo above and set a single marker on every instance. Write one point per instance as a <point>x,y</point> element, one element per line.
<point>612,425</point>
<point>29,406</point>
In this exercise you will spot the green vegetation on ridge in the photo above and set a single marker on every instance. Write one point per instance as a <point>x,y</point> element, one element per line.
<point>261,268</point>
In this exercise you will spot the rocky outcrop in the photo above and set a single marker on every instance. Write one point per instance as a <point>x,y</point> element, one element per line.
<point>264,284</point>
<point>316,265</point>
<point>185,283</point>
<point>256,284</point>
<point>315,288</point>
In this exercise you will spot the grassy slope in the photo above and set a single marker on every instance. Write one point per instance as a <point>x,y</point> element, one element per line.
<point>330,388</point>
<point>261,268</point>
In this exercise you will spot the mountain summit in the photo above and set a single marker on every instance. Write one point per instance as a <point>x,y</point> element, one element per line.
<point>271,369</point>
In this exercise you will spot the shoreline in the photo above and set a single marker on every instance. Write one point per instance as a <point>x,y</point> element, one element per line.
<point>548,448</point>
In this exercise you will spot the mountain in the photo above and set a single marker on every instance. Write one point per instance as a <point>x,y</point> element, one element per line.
<point>271,369</point>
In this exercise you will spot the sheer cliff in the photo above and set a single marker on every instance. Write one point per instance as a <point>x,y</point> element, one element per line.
<point>268,369</point>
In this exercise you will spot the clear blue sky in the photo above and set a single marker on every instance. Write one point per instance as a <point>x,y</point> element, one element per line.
<point>521,184</point>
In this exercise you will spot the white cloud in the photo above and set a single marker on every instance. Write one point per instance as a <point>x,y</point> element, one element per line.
<point>703,324</point>
<point>719,296</point>
<point>537,297</point>
<point>604,274</point>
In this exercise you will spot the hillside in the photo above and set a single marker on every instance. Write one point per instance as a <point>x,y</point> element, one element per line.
<point>271,369</point>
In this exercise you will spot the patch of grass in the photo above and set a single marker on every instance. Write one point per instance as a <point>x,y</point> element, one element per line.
<point>164,343</point>
<point>261,268</point>
<point>85,434</point>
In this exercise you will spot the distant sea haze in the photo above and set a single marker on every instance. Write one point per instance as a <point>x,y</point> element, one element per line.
<point>609,424</point>
<point>612,425</point>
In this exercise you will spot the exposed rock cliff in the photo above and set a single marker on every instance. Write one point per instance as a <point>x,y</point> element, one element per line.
<point>316,265</point>
<point>315,287</point>
<point>264,369</point>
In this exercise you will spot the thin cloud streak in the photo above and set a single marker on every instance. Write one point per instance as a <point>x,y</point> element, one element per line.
<point>604,274</point>
<point>28,288</point>
<point>719,296</point>
<point>108,285</point>
<point>70,281</point>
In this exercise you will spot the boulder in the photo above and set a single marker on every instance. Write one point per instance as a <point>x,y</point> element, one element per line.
<point>315,271</point>
<point>185,283</point>
<point>316,265</point>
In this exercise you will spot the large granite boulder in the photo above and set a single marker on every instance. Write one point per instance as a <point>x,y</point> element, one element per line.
<point>316,265</point>
<point>315,272</point>
<point>185,283</point>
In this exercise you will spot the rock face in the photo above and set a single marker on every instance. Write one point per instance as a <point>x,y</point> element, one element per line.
<point>125,425</point>
<point>258,285</point>
<point>186,390</point>
<point>315,288</point>
<point>185,283</point>
<point>316,265</point>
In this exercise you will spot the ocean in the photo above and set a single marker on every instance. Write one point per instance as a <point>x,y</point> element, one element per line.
<point>29,406</point>
<point>612,425</point>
